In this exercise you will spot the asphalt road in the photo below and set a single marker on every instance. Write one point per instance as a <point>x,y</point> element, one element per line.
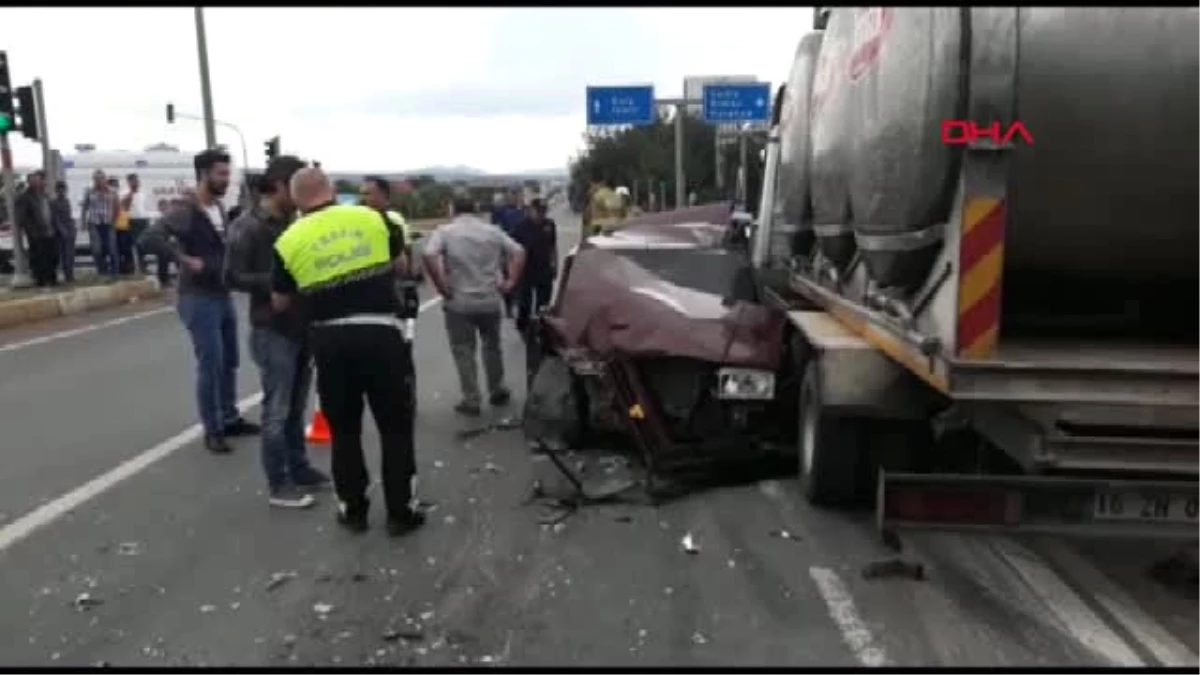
<point>123,542</point>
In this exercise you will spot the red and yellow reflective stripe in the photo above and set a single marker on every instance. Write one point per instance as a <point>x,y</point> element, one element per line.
<point>981,259</point>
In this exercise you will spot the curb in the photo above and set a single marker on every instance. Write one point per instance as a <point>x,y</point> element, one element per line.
<point>30,310</point>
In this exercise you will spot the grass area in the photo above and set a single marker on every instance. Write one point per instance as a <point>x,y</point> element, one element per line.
<point>427,224</point>
<point>8,294</point>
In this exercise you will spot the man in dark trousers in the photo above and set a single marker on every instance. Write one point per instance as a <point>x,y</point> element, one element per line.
<point>278,341</point>
<point>34,218</point>
<point>192,233</point>
<point>538,235</point>
<point>339,262</point>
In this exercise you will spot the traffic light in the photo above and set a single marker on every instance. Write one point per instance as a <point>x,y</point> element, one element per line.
<point>7,123</point>
<point>27,113</point>
<point>272,148</point>
<point>170,113</point>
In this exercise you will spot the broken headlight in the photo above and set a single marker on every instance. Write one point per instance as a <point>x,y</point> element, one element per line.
<point>745,384</point>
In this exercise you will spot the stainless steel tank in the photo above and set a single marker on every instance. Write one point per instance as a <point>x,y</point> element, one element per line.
<point>905,68</point>
<point>831,138</point>
<point>1108,189</point>
<point>792,233</point>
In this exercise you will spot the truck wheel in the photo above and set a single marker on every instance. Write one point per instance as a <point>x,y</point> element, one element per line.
<point>830,447</point>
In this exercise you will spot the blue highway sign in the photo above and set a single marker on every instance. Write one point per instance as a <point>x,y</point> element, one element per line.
<point>620,105</point>
<point>737,102</point>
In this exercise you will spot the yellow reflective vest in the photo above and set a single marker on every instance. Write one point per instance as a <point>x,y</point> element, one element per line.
<point>333,244</point>
<point>399,221</point>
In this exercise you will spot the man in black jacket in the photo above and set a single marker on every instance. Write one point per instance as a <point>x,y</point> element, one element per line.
<point>192,233</point>
<point>278,341</point>
<point>538,235</point>
<point>33,216</point>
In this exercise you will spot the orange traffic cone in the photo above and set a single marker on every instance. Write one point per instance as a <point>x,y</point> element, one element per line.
<point>318,432</point>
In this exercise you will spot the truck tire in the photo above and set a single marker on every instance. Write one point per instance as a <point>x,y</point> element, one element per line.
<point>830,447</point>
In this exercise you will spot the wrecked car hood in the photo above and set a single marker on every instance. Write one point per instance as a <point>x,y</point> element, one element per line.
<point>655,289</point>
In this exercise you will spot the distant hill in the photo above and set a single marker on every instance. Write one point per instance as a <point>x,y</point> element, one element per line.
<point>450,174</point>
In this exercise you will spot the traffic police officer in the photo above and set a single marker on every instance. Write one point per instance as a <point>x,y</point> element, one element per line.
<point>339,262</point>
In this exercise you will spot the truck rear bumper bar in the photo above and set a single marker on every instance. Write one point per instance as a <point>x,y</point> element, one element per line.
<point>1038,505</point>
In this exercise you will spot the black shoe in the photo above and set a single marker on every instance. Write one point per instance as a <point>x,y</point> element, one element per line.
<point>217,445</point>
<point>500,397</point>
<point>290,497</point>
<point>406,522</point>
<point>242,427</point>
<point>353,519</point>
<point>468,409</point>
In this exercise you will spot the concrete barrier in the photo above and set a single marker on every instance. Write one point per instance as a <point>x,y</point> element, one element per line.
<point>29,310</point>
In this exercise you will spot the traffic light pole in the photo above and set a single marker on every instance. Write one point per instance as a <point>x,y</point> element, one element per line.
<point>39,102</point>
<point>20,277</point>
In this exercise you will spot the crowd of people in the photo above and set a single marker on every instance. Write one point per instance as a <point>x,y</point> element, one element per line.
<point>332,286</point>
<point>112,221</point>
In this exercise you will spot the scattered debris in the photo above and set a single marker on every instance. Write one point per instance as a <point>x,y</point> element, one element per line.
<point>406,634</point>
<point>278,579</point>
<point>102,664</point>
<point>689,546</point>
<point>491,467</point>
<point>427,615</point>
<point>207,609</point>
<point>289,639</point>
<point>55,656</point>
<point>323,608</point>
<point>784,534</point>
<point>449,519</point>
<point>438,464</point>
<point>85,601</point>
<point>234,606</point>
<point>129,548</point>
<point>699,638</point>
<point>893,568</point>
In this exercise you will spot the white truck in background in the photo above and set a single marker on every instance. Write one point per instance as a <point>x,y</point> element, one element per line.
<point>165,173</point>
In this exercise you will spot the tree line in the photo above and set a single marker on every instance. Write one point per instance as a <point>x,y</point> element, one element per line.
<point>643,159</point>
<point>428,198</point>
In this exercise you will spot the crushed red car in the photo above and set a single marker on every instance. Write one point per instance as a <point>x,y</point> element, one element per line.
<point>656,333</point>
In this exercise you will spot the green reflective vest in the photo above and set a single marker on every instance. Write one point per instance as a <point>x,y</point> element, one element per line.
<point>337,242</point>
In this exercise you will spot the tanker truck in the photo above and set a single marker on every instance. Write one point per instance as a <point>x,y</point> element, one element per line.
<point>982,225</point>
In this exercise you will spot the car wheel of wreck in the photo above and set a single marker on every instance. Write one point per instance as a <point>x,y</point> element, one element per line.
<point>830,447</point>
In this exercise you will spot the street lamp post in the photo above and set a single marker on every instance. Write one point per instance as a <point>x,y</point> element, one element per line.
<point>210,127</point>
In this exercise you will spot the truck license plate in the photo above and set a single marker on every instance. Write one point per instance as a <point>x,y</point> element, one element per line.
<point>1146,506</point>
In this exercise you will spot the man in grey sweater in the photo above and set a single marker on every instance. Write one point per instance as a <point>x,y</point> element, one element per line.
<point>465,261</point>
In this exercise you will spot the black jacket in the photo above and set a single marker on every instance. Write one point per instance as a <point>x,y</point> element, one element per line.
<point>33,220</point>
<point>248,260</point>
<point>186,230</point>
<point>540,241</point>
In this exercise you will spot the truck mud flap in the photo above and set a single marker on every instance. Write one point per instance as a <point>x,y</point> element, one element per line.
<point>1037,505</point>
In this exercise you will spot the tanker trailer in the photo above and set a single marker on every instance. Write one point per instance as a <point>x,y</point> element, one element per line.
<point>1014,342</point>
<point>792,234</point>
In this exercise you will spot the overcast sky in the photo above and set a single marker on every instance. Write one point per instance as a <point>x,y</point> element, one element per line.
<point>380,88</point>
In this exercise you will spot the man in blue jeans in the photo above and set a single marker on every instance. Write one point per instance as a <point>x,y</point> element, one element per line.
<point>278,341</point>
<point>193,234</point>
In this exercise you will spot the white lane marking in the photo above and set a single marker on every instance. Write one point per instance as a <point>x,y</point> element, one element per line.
<point>13,346</point>
<point>53,510</point>
<point>1072,612</point>
<point>841,609</point>
<point>1169,651</point>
